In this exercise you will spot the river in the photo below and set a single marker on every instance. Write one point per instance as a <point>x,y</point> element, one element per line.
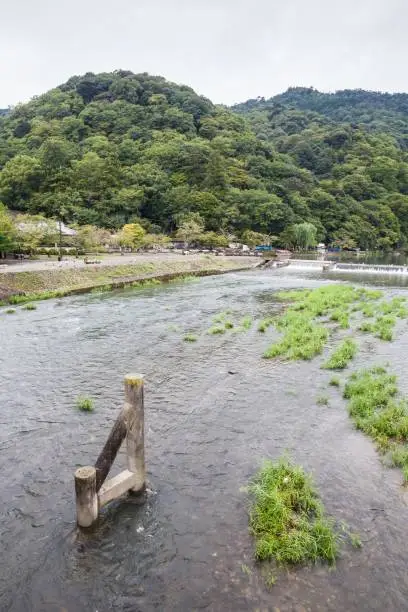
<point>214,410</point>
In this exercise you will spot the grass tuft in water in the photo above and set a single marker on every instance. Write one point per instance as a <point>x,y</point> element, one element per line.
<point>342,355</point>
<point>265,324</point>
<point>376,411</point>
<point>302,325</point>
<point>246,322</point>
<point>10,311</point>
<point>334,381</point>
<point>322,400</point>
<point>190,338</point>
<point>30,307</point>
<point>287,517</point>
<point>341,317</point>
<point>302,339</point>
<point>217,329</point>
<point>85,404</point>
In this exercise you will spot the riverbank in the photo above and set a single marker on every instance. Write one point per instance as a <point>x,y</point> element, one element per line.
<point>35,280</point>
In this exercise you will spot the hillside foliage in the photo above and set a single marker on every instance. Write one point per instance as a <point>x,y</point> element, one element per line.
<point>118,148</point>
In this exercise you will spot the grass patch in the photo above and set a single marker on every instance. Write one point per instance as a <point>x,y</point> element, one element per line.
<point>30,306</point>
<point>216,329</point>
<point>334,381</point>
<point>342,355</point>
<point>228,325</point>
<point>85,404</point>
<point>382,327</point>
<point>190,338</point>
<point>322,400</point>
<point>246,322</point>
<point>303,323</point>
<point>10,311</point>
<point>376,411</point>
<point>265,324</point>
<point>287,518</point>
<point>341,317</point>
<point>302,339</point>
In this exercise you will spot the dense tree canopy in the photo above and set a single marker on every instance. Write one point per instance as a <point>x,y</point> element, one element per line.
<point>117,149</point>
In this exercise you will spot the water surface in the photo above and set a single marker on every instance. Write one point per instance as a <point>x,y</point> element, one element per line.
<point>214,409</point>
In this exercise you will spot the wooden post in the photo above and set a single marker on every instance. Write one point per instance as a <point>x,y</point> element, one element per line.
<point>86,497</point>
<point>107,456</point>
<point>91,492</point>
<point>135,429</point>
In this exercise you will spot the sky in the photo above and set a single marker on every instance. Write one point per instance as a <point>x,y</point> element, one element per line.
<point>227,50</point>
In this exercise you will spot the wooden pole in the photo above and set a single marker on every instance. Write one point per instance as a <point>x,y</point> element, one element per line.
<point>107,456</point>
<point>86,497</point>
<point>135,429</point>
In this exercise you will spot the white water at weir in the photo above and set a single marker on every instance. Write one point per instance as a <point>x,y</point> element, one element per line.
<point>302,264</point>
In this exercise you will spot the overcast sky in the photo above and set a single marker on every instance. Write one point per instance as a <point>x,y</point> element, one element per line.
<point>227,50</point>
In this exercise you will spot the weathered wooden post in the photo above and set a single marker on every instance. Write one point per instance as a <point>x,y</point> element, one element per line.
<point>86,497</point>
<point>135,429</point>
<point>91,492</point>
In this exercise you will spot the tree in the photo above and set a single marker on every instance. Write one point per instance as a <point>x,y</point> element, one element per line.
<point>19,178</point>
<point>211,240</point>
<point>301,236</point>
<point>191,226</point>
<point>34,230</point>
<point>253,239</point>
<point>132,235</point>
<point>90,237</point>
<point>7,230</point>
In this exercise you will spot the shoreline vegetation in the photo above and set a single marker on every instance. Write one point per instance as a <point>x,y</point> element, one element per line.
<point>29,286</point>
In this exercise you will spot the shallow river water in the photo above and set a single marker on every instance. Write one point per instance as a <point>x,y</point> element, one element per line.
<point>214,410</point>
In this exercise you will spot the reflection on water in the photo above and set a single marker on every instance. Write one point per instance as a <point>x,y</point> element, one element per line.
<point>214,409</point>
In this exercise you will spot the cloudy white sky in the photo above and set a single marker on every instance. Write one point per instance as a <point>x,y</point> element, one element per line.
<point>228,50</point>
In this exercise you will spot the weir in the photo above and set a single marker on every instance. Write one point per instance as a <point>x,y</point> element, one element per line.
<point>313,264</point>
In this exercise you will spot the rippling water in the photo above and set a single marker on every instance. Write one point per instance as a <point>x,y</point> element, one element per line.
<point>214,409</point>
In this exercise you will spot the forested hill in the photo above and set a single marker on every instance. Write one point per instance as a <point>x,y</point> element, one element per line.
<point>110,148</point>
<point>378,112</point>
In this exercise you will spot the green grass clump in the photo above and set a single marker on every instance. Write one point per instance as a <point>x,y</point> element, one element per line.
<point>304,333</point>
<point>190,338</point>
<point>368,327</point>
<point>246,322</point>
<point>265,324</point>
<point>376,411</point>
<point>342,355</point>
<point>302,339</point>
<point>322,400</point>
<point>229,325</point>
<point>30,306</point>
<point>10,311</point>
<point>384,326</point>
<point>220,317</point>
<point>216,329</point>
<point>342,317</point>
<point>287,518</point>
<point>85,404</point>
<point>334,381</point>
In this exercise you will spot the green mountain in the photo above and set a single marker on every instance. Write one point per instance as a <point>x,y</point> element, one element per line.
<point>108,148</point>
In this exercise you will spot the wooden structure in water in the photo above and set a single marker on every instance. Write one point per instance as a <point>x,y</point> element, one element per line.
<point>92,489</point>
